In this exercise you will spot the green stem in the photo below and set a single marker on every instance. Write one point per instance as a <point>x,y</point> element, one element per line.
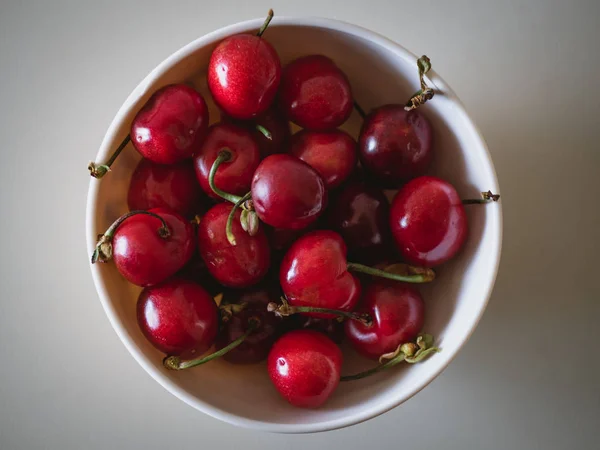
<point>285,309</point>
<point>98,171</point>
<point>262,130</point>
<point>417,274</point>
<point>379,368</point>
<point>223,156</point>
<point>266,24</point>
<point>229,224</point>
<point>486,197</point>
<point>425,93</point>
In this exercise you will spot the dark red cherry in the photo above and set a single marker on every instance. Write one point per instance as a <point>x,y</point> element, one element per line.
<point>315,94</point>
<point>178,317</point>
<point>171,125</point>
<point>332,328</point>
<point>395,145</point>
<point>428,221</point>
<point>235,175</point>
<point>256,346</point>
<point>331,153</point>
<point>287,192</point>
<point>243,75</point>
<point>240,265</point>
<point>314,272</point>
<point>305,366</point>
<point>397,310</point>
<point>360,214</point>
<point>195,270</point>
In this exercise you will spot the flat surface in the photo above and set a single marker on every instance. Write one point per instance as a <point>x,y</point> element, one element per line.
<point>528,74</point>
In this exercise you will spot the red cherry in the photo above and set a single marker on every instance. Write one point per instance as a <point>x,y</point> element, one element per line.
<point>305,367</point>
<point>243,74</point>
<point>171,125</point>
<point>315,93</point>
<point>234,176</point>
<point>314,272</point>
<point>195,270</point>
<point>287,192</point>
<point>428,221</point>
<point>240,265</point>
<point>395,145</point>
<point>397,310</point>
<point>178,317</point>
<point>331,153</point>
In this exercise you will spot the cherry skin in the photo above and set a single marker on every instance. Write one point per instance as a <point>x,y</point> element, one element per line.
<point>395,145</point>
<point>315,94</point>
<point>171,125</point>
<point>331,153</point>
<point>428,221</point>
<point>243,75</point>
<point>145,258</point>
<point>287,192</point>
<point>195,270</point>
<point>314,272</point>
<point>361,215</point>
<point>237,266</point>
<point>305,367</point>
<point>332,328</point>
<point>255,348</point>
<point>234,176</point>
<point>397,310</point>
<point>178,317</point>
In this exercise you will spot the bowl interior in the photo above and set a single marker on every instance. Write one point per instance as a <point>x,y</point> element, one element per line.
<point>380,72</point>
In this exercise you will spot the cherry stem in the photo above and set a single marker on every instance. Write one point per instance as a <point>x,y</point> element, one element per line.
<point>98,171</point>
<point>285,310</point>
<point>262,130</point>
<point>414,274</point>
<point>425,93</point>
<point>103,250</point>
<point>266,24</point>
<point>175,362</point>
<point>486,197</point>
<point>229,224</point>
<point>361,112</point>
<point>223,156</point>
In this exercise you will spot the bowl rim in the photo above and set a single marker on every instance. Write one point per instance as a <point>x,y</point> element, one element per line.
<point>92,199</point>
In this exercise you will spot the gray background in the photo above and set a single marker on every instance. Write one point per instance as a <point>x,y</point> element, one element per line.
<point>528,73</point>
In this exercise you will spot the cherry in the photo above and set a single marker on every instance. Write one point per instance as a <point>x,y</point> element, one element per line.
<point>147,246</point>
<point>234,177</point>
<point>315,94</point>
<point>398,312</point>
<point>256,346</point>
<point>195,270</point>
<point>178,317</point>
<point>287,192</point>
<point>155,185</point>
<point>240,265</point>
<point>395,145</point>
<point>428,221</point>
<point>332,328</point>
<point>331,153</point>
<point>361,215</point>
<point>244,73</point>
<point>305,366</point>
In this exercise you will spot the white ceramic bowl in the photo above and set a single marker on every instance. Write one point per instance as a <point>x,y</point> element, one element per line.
<point>380,71</point>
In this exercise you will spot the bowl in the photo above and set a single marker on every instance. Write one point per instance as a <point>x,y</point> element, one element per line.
<point>380,72</point>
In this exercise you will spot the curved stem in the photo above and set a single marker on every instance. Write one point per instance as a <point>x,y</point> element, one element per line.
<point>266,24</point>
<point>262,130</point>
<point>175,362</point>
<point>103,250</point>
<point>223,156</point>
<point>425,93</point>
<point>98,171</point>
<point>415,274</point>
<point>229,224</point>
<point>379,368</point>
<point>486,197</point>
<point>285,310</point>
<point>361,112</point>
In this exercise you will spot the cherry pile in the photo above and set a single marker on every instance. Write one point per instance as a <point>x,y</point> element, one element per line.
<point>268,246</point>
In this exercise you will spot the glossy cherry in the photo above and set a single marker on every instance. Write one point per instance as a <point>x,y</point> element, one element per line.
<point>395,145</point>
<point>178,317</point>
<point>331,153</point>
<point>305,366</point>
<point>240,265</point>
<point>287,192</point>
<point>235,175</point>
<point>244,72</point>
<point>315,94</point>
<point>397,310</point>
<point>174,186</point>
<point>428,221</point>
<point>147,246</point>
